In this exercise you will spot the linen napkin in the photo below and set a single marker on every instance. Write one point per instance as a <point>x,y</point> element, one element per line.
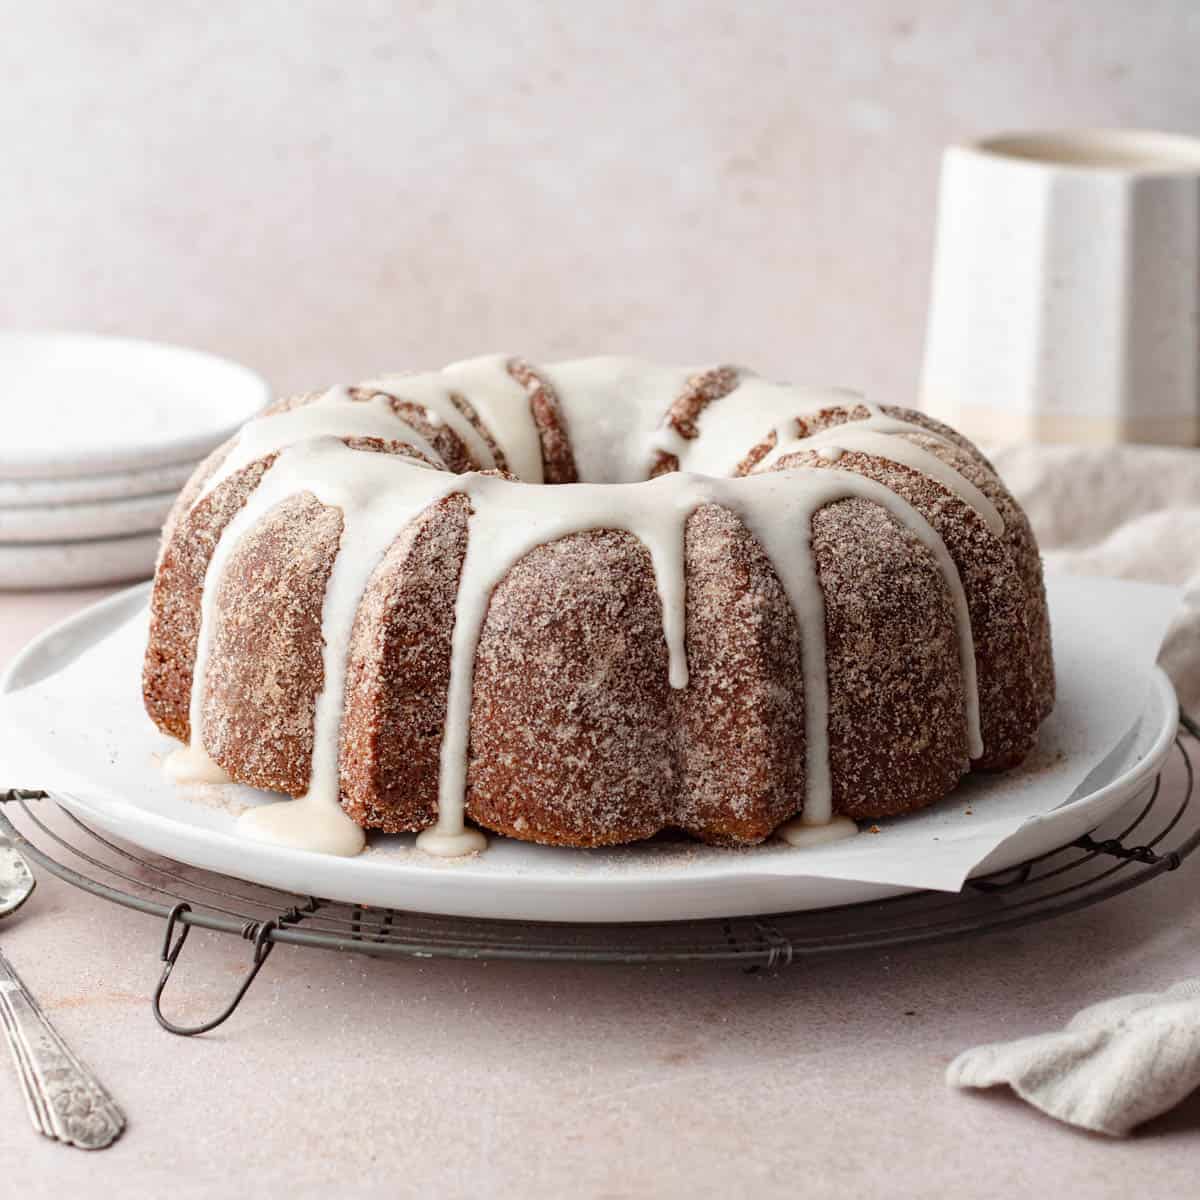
<point>1117,1063</point>
<point>1127,511</point>
<point>1133,512</point>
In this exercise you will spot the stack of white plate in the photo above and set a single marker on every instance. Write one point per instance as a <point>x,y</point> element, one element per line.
<point>97,436</point>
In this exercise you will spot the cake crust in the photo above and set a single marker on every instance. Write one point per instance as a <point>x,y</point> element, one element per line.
<point>399,673</point>
<point>260,692</point>
<point>190,540</point>
<point>571,729</point>
<point>586,724</point>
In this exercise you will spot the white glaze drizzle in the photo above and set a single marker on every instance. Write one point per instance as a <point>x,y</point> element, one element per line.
<point>502,404</point>
<point>378,494</point>
<point>776,521</point>
<point>733,425</point>
<point>511,519</point>
<point>193,764</point>
<point>620,402</point>
<point>376,500</point>
<point>334,414</point>
<point>883,437</point>
<point>433,391</point>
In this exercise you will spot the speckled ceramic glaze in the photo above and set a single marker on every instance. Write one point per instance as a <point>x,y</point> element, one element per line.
<point>79,522</point>
<point>77,564</point>
<point>91,489</point>
<point>1064,289</point>
<point>81,405</point>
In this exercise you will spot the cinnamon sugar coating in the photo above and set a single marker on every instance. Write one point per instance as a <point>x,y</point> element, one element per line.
<point>467,409</point>
<point>702,390</point>
<point>187,498</point>
<point>190,539</point>
<point>996,600</point>
<point>379,445</point>
<point>745,689</point>
<point>1018,534</point>
<point>399,674</point>
<point>576,736</point>
<point>756,454</point>
<point>897,729</point>
<point>558,459</point>
<point>560,674</point>
<point>572,736</point>
<point>446,443</point>
<point>265,666</point>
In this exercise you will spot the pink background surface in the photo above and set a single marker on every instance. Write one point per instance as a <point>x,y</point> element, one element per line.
<point>343,1075</point>
<point>324,197</point>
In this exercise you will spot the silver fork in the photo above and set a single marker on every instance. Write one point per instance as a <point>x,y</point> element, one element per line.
<point>65,1100</point>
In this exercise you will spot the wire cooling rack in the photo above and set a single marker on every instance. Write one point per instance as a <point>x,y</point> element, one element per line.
<point>1153,834</point>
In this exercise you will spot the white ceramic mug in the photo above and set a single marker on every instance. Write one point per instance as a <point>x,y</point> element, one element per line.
<point>1065,286</point>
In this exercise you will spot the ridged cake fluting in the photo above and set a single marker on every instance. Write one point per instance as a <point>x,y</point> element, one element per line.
<point>582,603</point>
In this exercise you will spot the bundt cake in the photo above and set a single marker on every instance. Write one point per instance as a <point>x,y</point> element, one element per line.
<point>584,603</point>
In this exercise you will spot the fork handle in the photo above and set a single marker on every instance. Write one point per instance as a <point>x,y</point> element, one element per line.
<point>65,1100</point>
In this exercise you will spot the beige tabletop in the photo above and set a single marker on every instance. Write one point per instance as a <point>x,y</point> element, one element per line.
<point>342,1075</point>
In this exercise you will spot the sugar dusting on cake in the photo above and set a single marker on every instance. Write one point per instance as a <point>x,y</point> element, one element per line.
<point>937,499</point>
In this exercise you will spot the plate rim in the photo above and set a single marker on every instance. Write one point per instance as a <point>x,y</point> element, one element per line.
<point>86,615</point>
<point>87,562</point>
<point>101,487</point>
<point>146,514</point>
<point>163,452</point>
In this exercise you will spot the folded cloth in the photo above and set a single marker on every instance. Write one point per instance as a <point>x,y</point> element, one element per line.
<point>1128,511</point>
<point>1133,512</point>
<point>1116,1064</point>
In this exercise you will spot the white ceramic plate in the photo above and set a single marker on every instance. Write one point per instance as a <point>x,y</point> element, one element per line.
<point>77,564</point>
<point>80,404</point>
<point>92,489</point>
<point>80,522</point>
<point>649,882</point>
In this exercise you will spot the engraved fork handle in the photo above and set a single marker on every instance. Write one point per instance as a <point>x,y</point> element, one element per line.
<point>65,1100</point>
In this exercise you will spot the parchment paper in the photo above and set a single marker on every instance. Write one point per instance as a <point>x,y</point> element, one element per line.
<point>84,731</point>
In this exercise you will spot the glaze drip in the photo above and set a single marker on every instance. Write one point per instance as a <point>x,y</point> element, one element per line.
<point>614,412</point>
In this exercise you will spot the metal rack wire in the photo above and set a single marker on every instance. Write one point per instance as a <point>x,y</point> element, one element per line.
<point>1154,834</point>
